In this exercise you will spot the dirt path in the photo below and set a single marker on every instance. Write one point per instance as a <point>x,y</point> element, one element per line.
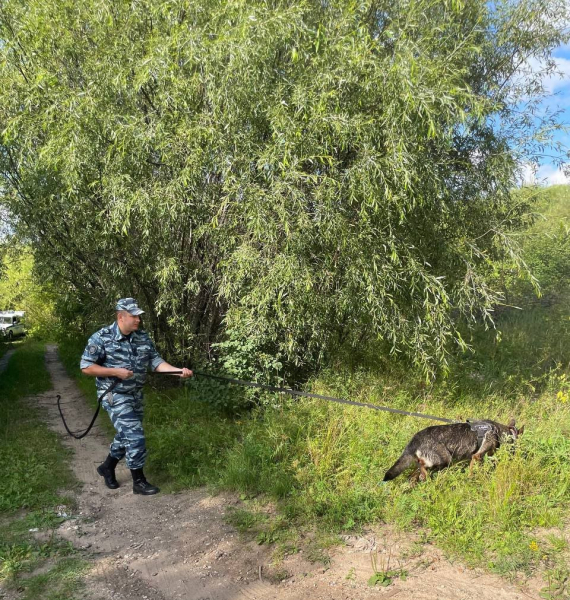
<point>173,546</point>
<point>5,360</point>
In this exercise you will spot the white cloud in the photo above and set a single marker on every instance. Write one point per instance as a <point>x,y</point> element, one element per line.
<point>561,78</point>
<point>527,174</point>
<point>553,82</point>
<point>551,175</point>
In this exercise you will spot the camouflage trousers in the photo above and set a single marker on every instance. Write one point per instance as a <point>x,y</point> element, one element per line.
<point>126,413</point>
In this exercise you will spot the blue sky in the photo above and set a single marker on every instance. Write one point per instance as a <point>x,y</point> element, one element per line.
<point>559,86</point>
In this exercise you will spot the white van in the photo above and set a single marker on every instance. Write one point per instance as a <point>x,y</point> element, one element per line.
<point>11,324</point>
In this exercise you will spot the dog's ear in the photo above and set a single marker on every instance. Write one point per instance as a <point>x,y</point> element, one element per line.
<point>511,423</point>
<point>521,430</point>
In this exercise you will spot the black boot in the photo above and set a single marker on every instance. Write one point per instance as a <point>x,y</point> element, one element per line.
<point>107,471</point>
<point>141,485</point>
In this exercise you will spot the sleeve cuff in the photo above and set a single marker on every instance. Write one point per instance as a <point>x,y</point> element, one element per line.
<point>156,363</point>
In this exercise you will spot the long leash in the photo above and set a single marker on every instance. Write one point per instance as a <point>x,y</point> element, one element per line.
<point>262,386</point>
<point>283,390</point>
<point>76,434</point>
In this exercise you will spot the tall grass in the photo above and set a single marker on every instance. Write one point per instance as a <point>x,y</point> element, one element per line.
<point>33,470</point>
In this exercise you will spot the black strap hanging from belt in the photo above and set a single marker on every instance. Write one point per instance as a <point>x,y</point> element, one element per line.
<point>99,400</point>
<point>76,434</point>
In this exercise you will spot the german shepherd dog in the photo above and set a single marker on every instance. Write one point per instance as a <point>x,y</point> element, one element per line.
<point>438,446</point>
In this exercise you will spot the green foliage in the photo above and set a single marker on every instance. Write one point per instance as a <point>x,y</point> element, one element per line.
<point>21,556</point>
<point>243,359</point>
<point>21,289</point>
<point>60,582</point>
<point>297,175</point>
<point>546,248</point>
<point>243,520</point>
<point>385,578</point>
<point>186,450</point>
<point>382,574</point>
<point>558,582</point>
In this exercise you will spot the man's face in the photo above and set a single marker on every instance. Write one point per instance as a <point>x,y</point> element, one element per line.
<point>127,322</point>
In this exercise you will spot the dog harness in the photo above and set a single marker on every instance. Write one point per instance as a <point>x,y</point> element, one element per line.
<point>481,428</point>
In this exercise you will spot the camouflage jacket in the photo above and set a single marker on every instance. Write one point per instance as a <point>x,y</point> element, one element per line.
<point>108,347</point>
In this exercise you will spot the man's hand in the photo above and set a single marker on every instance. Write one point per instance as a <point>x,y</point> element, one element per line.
<point>123,373</point>
<point>165,367</point>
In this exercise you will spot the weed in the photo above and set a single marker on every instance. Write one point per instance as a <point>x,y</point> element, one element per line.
<point>60,582</point>
<point>414,551</point>
<point>558,544</point>
<point>13,559</point>
<point>243,520</point>
<point>382,574</point>
<point>267,537</point>
<point>316,554</point>
<point>27,553</point>
<point>316,548</point>
<point>558,587</point>
<point>284,549</point>
<point>278,575</point>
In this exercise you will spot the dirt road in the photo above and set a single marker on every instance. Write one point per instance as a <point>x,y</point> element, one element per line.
<point>179,546</point>
<point>5,360</point>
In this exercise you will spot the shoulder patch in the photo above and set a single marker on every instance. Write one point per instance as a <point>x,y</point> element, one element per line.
<point>92,349</point>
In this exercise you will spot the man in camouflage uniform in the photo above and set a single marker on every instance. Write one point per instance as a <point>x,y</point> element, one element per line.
<point>121,351</point>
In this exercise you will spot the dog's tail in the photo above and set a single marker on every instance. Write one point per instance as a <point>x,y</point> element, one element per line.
<point>400,465</point>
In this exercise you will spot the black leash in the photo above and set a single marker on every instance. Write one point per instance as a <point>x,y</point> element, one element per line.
<point>282,390</point>
<point>99,400</point>
<point>253,384</point>
<point>76,434</point>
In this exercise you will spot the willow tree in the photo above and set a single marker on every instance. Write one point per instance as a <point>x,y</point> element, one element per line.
<point>286,175</point>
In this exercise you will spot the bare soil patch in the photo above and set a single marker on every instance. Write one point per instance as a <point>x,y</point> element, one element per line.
<point>179,545</point>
